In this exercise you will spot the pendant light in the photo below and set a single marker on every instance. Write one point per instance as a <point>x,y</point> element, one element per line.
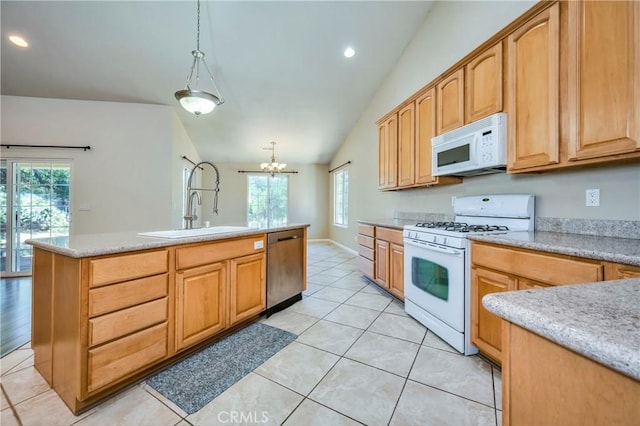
<point>193,100</point>
<point>273,167</point>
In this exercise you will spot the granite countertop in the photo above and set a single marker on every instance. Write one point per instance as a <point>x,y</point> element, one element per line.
<point>598,320</point>
<point>85,245</point>
<point>388,223</point>
<point>621,250</point>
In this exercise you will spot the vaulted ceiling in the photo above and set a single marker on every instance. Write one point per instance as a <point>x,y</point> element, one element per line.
<point>279,65</point>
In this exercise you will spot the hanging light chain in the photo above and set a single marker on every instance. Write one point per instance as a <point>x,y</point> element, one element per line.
<point>198,29</point>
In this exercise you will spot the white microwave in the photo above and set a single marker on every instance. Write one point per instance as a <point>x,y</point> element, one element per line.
<point>477,148</point>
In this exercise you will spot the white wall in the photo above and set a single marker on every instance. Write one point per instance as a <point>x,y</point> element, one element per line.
<point>450,31</point>
<point>308,196</point>
<point>127,178</point>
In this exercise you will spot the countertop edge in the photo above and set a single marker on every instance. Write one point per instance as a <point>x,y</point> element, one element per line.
<point>148,243</point>
<point>387,223</point>
<point>620,358</point>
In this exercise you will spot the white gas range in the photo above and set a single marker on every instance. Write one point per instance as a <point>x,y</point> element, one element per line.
<point>437,261</point>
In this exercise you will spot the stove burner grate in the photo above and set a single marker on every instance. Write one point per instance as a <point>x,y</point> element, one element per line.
<point>461,227</point>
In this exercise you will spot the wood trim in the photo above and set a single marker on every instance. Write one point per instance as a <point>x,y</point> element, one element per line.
<point>41,318</point>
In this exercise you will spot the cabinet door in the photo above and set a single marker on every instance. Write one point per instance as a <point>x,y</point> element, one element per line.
<point>425,130</point>
<point>486,328</point>
<point>406,145</point>
<point>201,300</point>
<point>247,287</point>
<point>483,89</point>
<point>603,78</point>
<point>396,273</point>
<point>533,92</point>
<point>382,263</point>
<point>450,101</point>
<point>388,153</point>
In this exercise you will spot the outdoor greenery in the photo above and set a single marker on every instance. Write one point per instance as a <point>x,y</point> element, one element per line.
<point>268,200</point>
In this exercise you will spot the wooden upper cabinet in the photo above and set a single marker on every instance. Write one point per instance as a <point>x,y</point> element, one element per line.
<point>533,73</point>
<point>388,153</point>
<point>425,130</point>
<point>603,92</point>
<point>406,145</point>
<point>450,102</point>
<point>483,85</point>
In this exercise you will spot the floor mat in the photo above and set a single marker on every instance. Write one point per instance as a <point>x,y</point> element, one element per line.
<point>198,379</point>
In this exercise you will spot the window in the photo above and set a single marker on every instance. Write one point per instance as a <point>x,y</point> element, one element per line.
<point>34,203</point>
<point>268,199</point>
<point>341,197</point>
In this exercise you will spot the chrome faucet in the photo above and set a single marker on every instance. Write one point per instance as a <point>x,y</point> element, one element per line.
<point>190,214</point>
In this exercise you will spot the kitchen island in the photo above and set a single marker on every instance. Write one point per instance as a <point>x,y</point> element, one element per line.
<point>109,309</point>
<point>570,353</point>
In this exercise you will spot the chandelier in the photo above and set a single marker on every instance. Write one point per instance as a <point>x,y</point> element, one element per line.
<point>273,167</point>
<point>193,100</point>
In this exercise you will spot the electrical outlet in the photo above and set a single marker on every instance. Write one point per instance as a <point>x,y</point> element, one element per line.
<point>593,197</point>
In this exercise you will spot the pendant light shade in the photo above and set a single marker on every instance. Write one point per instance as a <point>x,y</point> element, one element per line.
<point>194,100</point>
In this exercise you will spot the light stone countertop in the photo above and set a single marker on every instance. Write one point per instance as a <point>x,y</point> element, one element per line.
<point>388,223</point>
<point>598,320</point>
<point>86,245</point>
<point>612,249</point>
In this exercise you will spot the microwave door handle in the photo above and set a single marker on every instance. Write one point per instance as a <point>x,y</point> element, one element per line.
<point>432,247</point>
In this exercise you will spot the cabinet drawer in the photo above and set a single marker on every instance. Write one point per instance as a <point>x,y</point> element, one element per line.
<point>203,254</point>
<point>390,235</point>
<point>103,300</point>
<point>544,268</point>
<point>114,361</point>
<point>366,241</point>
<point>366,252</point>
<point>114,269</point>
<point>366,266</point>
<point>368,230</point>
<point>120,323</point>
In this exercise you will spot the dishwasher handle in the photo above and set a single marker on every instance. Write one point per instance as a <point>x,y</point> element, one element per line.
<point>293,237</point>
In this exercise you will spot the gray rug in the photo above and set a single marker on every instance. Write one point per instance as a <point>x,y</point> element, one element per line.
<point>198,379</point>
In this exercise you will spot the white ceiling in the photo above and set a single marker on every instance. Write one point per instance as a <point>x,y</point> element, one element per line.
<point>279,65</point>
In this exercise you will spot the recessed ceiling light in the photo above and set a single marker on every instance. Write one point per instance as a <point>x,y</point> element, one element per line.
<point>349,52</point>
<point>18,41</point>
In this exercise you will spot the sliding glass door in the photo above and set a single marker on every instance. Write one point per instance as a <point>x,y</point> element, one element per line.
<point>34,203</point>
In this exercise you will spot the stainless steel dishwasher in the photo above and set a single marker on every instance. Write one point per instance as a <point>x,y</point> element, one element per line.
<point>285,268</point>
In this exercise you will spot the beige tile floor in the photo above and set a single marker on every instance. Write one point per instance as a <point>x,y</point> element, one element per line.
<point>358,359</point>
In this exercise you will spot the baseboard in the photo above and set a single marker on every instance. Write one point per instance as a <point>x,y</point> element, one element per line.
<point>328,240</point>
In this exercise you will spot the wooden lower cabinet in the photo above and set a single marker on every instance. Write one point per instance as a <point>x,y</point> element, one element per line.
<point>100,323</point>
<point>396,273</point>
<point>486,332</point>
<point>247,287</point>
<point>200,303</point>
<point>389,261</point>
<point>618,271</point>
<point>496,268</point>
<point>546,384</point>
<point>366,250</point>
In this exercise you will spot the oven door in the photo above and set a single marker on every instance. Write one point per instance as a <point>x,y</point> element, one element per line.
<point>434,280</point>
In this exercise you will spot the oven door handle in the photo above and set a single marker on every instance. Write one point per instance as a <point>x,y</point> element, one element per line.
<point>432,247</point>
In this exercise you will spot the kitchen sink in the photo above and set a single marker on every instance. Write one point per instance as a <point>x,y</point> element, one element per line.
<point>186,233</point>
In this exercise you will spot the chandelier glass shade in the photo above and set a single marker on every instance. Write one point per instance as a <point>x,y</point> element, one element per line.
<point>273,167</point>
<point>191,98</point>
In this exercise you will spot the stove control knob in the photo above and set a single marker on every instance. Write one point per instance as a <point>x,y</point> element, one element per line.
<point>444,241</point>
<point>435,238</point>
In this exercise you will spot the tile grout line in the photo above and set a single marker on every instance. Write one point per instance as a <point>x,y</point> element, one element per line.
<point>11,406</point>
